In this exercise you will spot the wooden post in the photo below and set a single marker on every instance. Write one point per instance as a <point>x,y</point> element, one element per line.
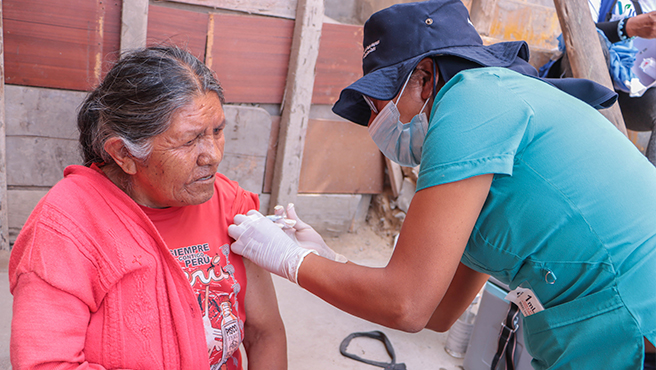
<point>482,15</point>
<point>134,24</point>
<point>296,102</point>
<point>395,176</point>
<point>4,218</point>
<point>584,50</point>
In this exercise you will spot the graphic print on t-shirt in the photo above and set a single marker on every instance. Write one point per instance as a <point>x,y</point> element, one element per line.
<point>215,286</point>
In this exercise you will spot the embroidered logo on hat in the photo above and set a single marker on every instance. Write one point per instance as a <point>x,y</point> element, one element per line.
<point>370,48</point>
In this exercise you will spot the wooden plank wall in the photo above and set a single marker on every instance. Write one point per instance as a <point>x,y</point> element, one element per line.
<point>283,9</point>
<point>59,44</point>
<point>68,44</point>
<point>297,102</point>
<point>251,61</point>
<point>180,27</point>
<point>534,21</point>
<point>327,140</point>
<point>321,173</point>
<point>134,24</point>
<point>339,63</point>
<point>4,218</point>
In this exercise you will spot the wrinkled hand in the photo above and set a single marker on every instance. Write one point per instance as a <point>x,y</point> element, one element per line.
<point>643,25</point>
<point>265,244</point>
<point>306,236</point>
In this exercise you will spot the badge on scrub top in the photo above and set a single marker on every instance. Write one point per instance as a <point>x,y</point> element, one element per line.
<point>526,300</point>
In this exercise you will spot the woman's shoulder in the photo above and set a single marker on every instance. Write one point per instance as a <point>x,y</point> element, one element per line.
<point>84,213</point>
<point>223,182</point>
<point>231,193</point>
<point>484,84</point>
<point>84,196</point>
<point>487,73</point>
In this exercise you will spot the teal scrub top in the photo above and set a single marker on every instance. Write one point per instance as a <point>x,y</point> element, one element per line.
<point>571,213</point>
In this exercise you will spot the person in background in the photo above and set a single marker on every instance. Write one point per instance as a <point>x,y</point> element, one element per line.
<point>518,180</point>
<point>619,22</point>
<point>125,263</point>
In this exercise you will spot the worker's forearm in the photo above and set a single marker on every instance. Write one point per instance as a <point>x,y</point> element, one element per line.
<point>466,284</point>
<point>375,294</point>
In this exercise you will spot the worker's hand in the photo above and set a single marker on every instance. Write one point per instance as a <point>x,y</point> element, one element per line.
<point>643,25</point>
<point>286,224</point>
<point>308,238</point>
<point>265,244</point>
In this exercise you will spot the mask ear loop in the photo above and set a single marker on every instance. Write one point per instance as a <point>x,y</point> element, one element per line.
<point>424,106</point>
<point>434,77</point>
<point>403,89</point>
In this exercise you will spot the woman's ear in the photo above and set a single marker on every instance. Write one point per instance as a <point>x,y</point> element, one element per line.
<point>426,66</point>
<point>116,149</point>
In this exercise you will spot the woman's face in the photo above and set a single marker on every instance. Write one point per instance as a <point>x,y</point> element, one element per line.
<point>414,97</point>
<point>181,168</point>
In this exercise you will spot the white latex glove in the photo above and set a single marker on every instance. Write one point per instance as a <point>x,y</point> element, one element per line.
<point>307,237</point>
<point>286,224</point>
<point>265,244</point>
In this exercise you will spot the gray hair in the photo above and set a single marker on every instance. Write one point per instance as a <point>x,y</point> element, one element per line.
<point>137,98</point>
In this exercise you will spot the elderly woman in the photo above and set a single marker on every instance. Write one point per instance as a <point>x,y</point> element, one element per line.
<point>126,263</point>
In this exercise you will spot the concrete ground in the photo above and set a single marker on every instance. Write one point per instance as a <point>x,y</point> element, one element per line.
<point>314,328</point>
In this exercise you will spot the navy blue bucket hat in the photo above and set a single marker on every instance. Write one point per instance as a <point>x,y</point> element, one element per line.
<point>397,38</point>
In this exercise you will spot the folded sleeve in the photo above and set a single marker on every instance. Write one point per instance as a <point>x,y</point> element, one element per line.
<point>48,327</point>
<point>610,30</point>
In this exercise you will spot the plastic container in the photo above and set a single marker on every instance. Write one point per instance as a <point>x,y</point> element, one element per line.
<point>459,334</point>
<point>492,311</point>
<point>648,65</point>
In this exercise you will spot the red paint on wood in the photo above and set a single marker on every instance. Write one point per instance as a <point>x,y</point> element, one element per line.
<point>250,55</point>
<point>339,63</point>
<point>60,43</point>
<point>183,28</point>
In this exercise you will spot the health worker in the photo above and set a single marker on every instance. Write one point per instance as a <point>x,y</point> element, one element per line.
<point>520,178</point>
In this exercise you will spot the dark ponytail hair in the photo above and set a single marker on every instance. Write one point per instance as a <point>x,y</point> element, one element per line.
<point>137,97</point>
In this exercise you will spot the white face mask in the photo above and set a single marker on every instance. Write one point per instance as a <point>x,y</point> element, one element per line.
<point>401,143</point>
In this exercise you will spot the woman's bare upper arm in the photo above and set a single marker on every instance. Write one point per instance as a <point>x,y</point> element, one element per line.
<point>261,303</point>
<point>264,333</point>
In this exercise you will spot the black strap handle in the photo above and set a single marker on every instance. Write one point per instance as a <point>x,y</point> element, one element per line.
<point>637,7</point>
<point>379,335</point>
<point>507,339</point>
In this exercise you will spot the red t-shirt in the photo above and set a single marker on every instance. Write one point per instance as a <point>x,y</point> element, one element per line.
<point>197,237</point>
